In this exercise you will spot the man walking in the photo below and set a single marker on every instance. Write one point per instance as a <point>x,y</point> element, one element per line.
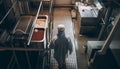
<point>62,46</point>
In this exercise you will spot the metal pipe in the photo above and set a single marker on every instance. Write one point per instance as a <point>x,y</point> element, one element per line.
<point>20,49</point>
<point>28,60</point>
<point>8,12</point>
<point>50,18</point>
<point>8,67</point>
<point>16,58</point>
<point>12,66</point>
<point>43,63</point>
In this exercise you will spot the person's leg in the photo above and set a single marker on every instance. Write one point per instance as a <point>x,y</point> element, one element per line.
<point>63,64</point>
<point>59,64</point>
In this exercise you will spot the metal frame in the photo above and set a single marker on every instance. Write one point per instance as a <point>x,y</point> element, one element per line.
<point>26,49</point>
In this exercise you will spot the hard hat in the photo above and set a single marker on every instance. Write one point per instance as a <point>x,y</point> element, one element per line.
<point>61,28</point>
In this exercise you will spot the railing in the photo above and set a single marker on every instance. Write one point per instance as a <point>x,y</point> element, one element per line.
<point>32,29</point>
<point>8,13</point>
<point>110,37</point>
<point>51,19</point>
<point>108,40</point>
<point>14,59</point>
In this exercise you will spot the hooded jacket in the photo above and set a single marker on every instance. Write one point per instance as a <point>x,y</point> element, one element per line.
<point>61,46</point>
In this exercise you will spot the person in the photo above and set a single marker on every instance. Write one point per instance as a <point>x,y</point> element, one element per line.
<point>62,45</point>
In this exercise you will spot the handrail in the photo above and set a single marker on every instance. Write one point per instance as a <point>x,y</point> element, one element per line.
<point>106,45</point>
<point>110,37</point>
<point>50,17</point>
<point>51,6</point>
<point>8,12</point>
<point>32,29</point>
<point>21,49</point>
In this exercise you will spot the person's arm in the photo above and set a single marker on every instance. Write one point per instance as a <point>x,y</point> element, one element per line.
<point>52,44</point>
<point>70,46</point>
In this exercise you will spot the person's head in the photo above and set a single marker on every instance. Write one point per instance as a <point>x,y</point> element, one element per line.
<point>61,28</point>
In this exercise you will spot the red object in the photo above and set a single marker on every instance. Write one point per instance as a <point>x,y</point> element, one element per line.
<point>38,35</point>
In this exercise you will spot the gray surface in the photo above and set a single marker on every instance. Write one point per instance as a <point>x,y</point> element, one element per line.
<point>115,48</point>
<point>93,46</point>
<point>87,11</point>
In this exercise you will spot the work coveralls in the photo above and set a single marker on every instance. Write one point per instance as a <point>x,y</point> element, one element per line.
<point>61,46</point>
